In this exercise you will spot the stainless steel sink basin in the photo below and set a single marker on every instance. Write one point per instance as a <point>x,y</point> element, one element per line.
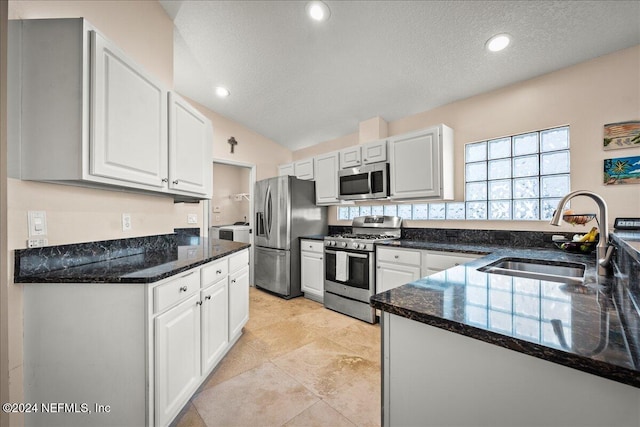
<point>557,271</point>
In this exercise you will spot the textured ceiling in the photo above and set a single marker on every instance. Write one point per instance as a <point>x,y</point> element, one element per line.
<point>300,83</point>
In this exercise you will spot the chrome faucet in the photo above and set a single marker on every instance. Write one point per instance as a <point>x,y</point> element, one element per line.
<point>604,251</point>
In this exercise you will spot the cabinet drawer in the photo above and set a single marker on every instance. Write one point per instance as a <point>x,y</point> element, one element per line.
<point>399,256</point>
<point>445,260</point>
<point>214,271</point>
<point>238,260</point>
<point>311,246</point>
<point>164,296</point>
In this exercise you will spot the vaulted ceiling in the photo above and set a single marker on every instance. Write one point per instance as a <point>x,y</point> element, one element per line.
<point>300,82</point>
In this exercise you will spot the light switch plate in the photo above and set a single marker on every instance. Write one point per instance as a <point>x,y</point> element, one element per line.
<point>37,223</point>
<point>192,218</point>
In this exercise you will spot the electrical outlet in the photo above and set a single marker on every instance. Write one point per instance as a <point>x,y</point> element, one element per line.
<point>126,222</point>
<point>216,209</point>
<point>192,218</point>
<point>217,217</point>
<point>37,243</point>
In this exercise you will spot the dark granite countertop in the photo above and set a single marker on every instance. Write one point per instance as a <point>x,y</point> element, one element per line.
<point>572,325</point>
<point>144,262</point>
<point>630,240</point>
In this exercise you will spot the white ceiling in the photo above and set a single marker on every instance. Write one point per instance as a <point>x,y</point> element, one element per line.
<point>300,83</point>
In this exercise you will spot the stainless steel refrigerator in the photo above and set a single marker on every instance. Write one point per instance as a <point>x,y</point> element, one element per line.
<point>285,210</point>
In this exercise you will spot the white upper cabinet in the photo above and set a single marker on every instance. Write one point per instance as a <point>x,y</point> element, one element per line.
<point>374,152</point>
<point>304,169</point>
<point>128,118</point>
<point>326,172</point>
<point>421,164</point>
<point>287,169</point>
<point>190,151</point>
<point>371,152</point>
<point>350,157</point>
<point>96,118</point>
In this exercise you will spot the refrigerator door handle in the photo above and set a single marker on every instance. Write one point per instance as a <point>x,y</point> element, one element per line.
<point>268,213</point>
<point>259,223</point>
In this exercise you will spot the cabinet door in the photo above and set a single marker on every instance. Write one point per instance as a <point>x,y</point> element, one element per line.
<point>389,276</point>
<point>238,301</point>
<point>190,147</point>
<point>312,273</point>
<point>215,324</point>
<point>326,171</point>
<point>373,152</point>
<point>415,165</point>
<point>287,169</point>
<point>177,358</point>
<point>350,157</point>
<point>304,169</point>
<point>128,131</point>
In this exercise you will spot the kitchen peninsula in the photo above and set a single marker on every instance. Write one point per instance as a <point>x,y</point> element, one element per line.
<point>132,325</point>
<point>467,347</point>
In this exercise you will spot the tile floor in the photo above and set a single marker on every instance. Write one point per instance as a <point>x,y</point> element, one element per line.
<point>297,364</point>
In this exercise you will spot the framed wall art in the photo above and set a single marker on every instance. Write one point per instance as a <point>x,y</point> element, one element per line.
<point>622,170</point>
<point>622,135</point>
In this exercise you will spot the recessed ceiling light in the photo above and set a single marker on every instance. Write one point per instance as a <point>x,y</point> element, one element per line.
<point>498,42</point>
<point>222,92</point>
<point>318,11</point>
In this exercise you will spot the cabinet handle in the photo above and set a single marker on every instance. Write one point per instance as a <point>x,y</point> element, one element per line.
<point>456,264</point>
<point>198,302</point>
<point>396,256</point>
<point>233,281</point>
<point>207,297</point>
<point>182,289</point>
<point>165,179</point>
<point>218,271</point>
<point>175,182</point>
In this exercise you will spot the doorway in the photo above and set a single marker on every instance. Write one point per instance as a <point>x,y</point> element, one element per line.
<point>232,200</point>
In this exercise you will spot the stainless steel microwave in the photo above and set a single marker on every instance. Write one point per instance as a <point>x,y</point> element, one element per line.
<point>364,182</point>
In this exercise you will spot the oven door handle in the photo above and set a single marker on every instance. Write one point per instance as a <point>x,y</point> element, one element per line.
<point>351,254</point>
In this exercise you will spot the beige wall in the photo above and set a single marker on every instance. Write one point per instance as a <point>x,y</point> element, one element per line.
<point>252,147</point>
<point>585,97</point>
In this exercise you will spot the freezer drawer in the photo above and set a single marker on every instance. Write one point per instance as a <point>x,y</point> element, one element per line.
<point>272,270</point>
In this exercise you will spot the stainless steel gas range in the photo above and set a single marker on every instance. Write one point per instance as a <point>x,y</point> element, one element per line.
<point>350,262</point>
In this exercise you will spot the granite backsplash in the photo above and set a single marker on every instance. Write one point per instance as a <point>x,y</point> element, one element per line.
<point>36,261</point>
<point>522,239</point>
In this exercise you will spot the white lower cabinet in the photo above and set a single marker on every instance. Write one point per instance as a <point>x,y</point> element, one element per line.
<point>177,350</point>
<point>395,267</point>
<point>312,269</point>
<point>238,293</point>
<point>214,324</point>
<point>142,349</point>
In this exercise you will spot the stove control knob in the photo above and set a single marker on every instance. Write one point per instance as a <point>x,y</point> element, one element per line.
<point>355,245</point>
<point>331,243</point>
<point>343,244</point>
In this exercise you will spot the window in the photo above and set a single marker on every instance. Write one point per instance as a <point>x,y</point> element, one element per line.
<point>520,177</point>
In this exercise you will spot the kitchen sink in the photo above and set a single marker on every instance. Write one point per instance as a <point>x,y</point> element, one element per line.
<point>558,271</point>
